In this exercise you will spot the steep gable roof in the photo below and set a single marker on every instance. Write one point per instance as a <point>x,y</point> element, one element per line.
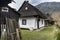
<point>13,10</point>
<point>29,10</point>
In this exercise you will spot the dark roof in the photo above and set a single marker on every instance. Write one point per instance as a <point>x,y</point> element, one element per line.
<point>31,11</point>
<point>14,10</point>
<point>13,14</point>
<point>49,17</point>
<point>4,2</point>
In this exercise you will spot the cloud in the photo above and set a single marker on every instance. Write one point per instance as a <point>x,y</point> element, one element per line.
<point>18,3</point>
<point>35,2</point>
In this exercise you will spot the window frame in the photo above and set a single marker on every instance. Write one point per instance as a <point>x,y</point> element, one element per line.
<point>42,21</point>
<point>4,9</point>
<point>23,21</point>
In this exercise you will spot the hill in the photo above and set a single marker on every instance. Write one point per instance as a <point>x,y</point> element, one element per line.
<point>49,7</point>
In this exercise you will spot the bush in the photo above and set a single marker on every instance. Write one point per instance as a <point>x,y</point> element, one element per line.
<point>58,36</point>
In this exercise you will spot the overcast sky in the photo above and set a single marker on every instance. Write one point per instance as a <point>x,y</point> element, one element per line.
<point>18,3</point>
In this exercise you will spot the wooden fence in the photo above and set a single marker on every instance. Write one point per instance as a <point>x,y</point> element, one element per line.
<point>12,36</point>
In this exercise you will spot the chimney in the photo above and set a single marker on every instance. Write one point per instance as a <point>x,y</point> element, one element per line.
<point>26,0</point>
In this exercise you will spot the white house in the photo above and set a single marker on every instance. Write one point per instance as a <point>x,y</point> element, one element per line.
<point>31,17</point>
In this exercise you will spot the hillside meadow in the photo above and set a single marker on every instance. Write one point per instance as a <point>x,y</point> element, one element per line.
<point>48,33</point>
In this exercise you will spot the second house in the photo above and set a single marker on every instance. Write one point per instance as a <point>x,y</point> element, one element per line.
<point>31,18</point>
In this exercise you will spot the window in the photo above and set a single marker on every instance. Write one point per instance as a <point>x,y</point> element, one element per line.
<point>24,22</point>
<point>4,9</point>
<point>26,8</point>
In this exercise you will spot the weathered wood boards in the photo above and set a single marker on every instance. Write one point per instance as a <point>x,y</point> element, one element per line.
<point>8,19</point>
<point>11,30</point>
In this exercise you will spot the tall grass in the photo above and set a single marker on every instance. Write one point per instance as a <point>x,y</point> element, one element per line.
<point>48,33</point>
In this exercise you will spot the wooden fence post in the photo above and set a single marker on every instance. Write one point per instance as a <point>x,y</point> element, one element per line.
<point>17,32</point>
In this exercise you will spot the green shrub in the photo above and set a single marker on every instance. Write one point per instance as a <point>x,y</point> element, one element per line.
<point>58,36</point>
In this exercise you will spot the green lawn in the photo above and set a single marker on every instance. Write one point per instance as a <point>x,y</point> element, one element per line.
<point>49,33</point>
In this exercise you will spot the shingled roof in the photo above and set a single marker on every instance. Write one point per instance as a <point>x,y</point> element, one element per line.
<point>28,10</point>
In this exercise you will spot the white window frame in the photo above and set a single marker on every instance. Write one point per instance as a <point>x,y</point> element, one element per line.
<point>42,21</point>
<point>5,9</point>
<point>24,21</point>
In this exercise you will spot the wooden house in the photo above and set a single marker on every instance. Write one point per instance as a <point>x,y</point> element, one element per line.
<point>31,17</point>
<point>8,19</point>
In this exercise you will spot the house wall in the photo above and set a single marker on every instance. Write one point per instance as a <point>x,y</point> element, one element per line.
<point>31,23</point>
<point>41,23</point>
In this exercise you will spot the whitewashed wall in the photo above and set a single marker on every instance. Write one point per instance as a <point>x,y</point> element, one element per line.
<point>30,23</point>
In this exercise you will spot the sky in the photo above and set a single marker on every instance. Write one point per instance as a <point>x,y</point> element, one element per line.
<point>18,3</point>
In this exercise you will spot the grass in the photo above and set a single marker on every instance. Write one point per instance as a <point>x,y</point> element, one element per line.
<point>49,33</point>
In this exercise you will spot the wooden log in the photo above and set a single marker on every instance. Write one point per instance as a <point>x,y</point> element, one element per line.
<point>17,32</point>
